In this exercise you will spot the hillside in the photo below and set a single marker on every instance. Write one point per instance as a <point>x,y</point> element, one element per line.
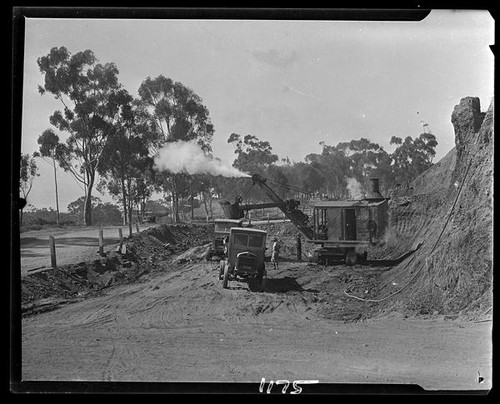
<point>449,210</point>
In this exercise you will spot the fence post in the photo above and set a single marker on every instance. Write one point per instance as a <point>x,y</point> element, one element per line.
<point>52,245</point>
<point>299,248</point>
<point>137,227</point>
<point>101,241</point>
<point>120,235</point>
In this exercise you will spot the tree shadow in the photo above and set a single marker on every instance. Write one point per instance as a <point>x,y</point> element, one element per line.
<point>30,254</point>
<point>33,242</point>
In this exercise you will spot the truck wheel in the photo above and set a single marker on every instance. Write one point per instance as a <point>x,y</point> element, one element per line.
<point>362,258</point>
<point>351,257</point>
<point>263,281</point>
<point>208,254</point>
<point>221,269</point>
<point>317,258</point>
<point>226,276</point>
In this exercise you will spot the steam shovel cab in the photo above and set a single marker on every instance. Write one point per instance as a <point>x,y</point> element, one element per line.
<point>245,256</point>
<point>344,230</point>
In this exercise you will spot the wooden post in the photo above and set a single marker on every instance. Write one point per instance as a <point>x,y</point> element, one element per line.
<point>299,248</point>
<point>52,245</point>
<point>268,219</point>
<point>137,227</point>
<point>120,235</point>
<point>101,241</point>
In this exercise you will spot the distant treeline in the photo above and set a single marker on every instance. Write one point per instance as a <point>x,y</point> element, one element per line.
<point>111,139</point>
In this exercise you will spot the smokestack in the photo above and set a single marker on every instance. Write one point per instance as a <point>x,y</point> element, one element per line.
<point>374,192</point>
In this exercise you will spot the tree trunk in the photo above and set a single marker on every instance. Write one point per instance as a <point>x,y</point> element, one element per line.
<point>205,203</point>
<point>143,208</point>
<point>124,202</point>
<point>174,207</point>
<point>87,208</point>
<point>129,219</point>
<point>192,206</point>
<point>129,204</point>
<point>210,207</point>
<point>177,218</point>
<point>175,201</point>
<point>57,196</point>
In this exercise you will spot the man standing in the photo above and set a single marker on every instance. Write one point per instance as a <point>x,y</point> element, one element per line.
<point>275,253</point>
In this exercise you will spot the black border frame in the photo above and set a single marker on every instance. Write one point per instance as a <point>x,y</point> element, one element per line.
<point>18,14</point>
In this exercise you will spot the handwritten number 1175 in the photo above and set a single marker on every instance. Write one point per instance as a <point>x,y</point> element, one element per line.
<point>296,388</point>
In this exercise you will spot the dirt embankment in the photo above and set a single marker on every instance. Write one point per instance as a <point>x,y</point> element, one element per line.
<point>449,209</point>
<point>153,250</point>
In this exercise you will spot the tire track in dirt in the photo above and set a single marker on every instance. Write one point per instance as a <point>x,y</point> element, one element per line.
<point>183,325</point>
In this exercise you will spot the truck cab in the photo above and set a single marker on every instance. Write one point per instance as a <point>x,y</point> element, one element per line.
<point>245,256</point>
<point>222,229</point>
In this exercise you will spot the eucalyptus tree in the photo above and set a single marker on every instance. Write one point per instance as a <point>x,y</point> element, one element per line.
<point>176,113</point>
<point>412,156</point>
<point>28,172</point>
<point>50,151</point>
<point>253,155</point>
<point>126,167</point>
<point>90,97</point>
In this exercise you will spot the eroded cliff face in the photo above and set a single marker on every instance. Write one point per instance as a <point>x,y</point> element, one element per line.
<point>467,119</point>
<point>450,211</point>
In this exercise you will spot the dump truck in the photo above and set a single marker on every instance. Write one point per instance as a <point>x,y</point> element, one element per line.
<point>245,257</point>
<point>339,230</point>
<point>222,228</point>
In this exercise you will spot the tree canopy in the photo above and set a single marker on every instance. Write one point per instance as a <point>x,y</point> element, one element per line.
<point>253,155</point>
<point>108,139</point>
<point>174,112</point>
<point>28,172</point>
<point>91,96</point>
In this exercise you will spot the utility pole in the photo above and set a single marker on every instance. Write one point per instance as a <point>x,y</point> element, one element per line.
<point>192,199</point>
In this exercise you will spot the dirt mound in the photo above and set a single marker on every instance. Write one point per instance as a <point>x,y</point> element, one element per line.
<point>449,209</point>
<point>145,252</point>
<point>159,243</point>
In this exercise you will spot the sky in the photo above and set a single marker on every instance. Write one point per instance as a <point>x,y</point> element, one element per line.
<point>294,83</point>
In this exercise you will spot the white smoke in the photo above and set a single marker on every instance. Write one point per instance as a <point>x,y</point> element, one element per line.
<point>188,157</point>
<point>355,189</point>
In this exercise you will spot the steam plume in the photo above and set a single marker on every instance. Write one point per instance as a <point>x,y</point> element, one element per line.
<point>355,189</point>
<point>188,157</point>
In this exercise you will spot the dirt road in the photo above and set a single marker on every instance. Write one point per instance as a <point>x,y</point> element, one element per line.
<point>181,325</point>
<point>72,245</point>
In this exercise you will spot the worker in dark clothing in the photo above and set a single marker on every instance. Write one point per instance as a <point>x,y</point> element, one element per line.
<point>235,208</point>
